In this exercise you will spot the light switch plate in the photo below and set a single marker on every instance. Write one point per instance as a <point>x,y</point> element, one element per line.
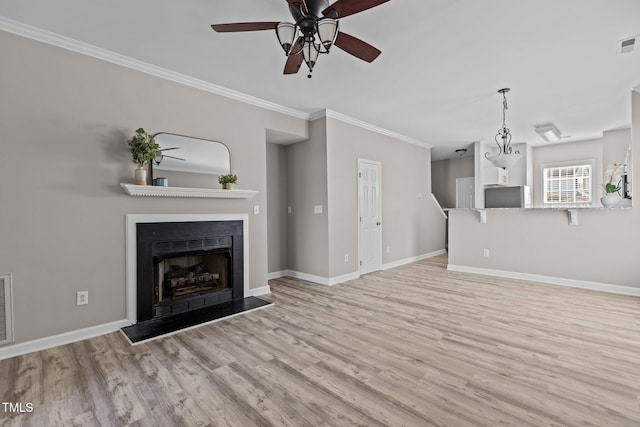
<point>256,210</point>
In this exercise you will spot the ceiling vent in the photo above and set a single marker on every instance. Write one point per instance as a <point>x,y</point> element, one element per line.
<point>627,45</point>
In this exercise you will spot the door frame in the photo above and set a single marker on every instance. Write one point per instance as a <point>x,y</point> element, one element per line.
<point>359,198</point>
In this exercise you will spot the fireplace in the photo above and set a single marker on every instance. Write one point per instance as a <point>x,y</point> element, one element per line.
<point>184,266</point>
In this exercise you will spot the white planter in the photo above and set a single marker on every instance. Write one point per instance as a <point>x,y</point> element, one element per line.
<point>609,200</point>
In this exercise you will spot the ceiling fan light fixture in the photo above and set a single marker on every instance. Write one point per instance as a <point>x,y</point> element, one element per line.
<point>310,52</point>
<point>286,33</point>
<point>327,32</point>
<point>549,132</point>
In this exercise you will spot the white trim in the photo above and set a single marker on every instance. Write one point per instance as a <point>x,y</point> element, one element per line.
<point>409,260</point>
<point>194,326</point>
<point>309,277</point>
<point>61,339</point>
<point>263,290</point>
<point>48,37</point>
<point>8,301</point>
<point>131,254</point>
<point>210,193</point>
<point>435,200</point>
<point>582,284</point>
<point>73,45</point>
<point>368,126</point>
<point>277,274</point>
<point>319,279</point>
<point>344,278</point>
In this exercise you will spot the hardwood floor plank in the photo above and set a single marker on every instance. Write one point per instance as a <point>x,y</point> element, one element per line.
<point>414,345</point>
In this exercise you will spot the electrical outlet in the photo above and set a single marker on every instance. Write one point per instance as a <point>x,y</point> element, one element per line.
<point>289,210</point>
<point>486,252</point>
<point>256,210</point>
<point>419,195</point>
<point>317,209</point>
<point>82,298</point>
<point>388,249</point>
<point>346,257</point>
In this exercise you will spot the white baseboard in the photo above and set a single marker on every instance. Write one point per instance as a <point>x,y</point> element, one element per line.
<point>277,274</point>
<point>583,284</point>
<point>263,290</point>
<point>413,259</point>
<point>343,278</point>
<point>61,339</point>
<point>309,277</point>
<point>322,280</point>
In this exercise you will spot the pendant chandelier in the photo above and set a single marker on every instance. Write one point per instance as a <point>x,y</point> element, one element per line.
<point>506,156</point>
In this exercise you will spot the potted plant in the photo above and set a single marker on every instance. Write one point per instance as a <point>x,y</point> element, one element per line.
<point>143,150</point>
<point>611,187</point>
<point>228,181</point>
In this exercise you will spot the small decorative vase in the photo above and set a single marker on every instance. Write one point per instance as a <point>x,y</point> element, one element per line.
<point>140,176</point>
<point>609,200</point>
<point>228,186</point>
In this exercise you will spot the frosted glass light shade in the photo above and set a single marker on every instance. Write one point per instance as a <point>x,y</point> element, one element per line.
<point>327,32</point>
<point>286,33</point>
<point>310,53</point>
<point>502,160</point>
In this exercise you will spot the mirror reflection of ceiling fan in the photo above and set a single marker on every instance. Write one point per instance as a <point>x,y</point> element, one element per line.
<point>161,156</point>
<point>315,31</point>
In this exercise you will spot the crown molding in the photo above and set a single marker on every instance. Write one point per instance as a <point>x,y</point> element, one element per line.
<point>368,126</point>
<point>48,37</point>
<point>44,36</point>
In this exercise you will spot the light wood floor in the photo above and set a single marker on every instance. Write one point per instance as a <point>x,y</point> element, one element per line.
<point>415,345</point>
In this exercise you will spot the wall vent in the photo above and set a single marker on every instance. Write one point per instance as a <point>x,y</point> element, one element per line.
<point>627,45</point>
<point>6,318</point>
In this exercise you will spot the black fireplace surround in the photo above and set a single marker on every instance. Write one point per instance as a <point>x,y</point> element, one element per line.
<point>159,241</point>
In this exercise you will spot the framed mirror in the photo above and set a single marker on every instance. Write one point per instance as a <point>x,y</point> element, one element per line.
<point>186,154</point>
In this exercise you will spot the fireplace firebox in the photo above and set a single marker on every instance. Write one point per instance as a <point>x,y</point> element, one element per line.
<point>184,266</point>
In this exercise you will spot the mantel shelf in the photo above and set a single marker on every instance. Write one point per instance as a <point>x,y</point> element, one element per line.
<point>209,193</point>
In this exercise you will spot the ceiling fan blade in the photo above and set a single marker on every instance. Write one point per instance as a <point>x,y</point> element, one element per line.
<point>356,47</point>
<point>303,4</point>
<point>349,7</point>
<point>244,26</point>
<point>294,62</point>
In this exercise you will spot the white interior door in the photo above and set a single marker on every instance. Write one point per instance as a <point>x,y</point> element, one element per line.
<point>370,216</point>
<point>465,193</point>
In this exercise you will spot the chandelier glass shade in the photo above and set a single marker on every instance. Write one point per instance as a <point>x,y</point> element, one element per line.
<point>313,38</point>
<point>506,156</point>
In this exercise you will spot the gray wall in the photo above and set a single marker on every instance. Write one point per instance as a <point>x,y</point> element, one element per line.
<point>443,177</point>
<point>412,226</point>
<point>601,248</point>
<point>277,208</point>
<point>308,250</point>
<point>65,120</point>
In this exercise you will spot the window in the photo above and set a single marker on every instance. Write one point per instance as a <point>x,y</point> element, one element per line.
<point>568,183</point>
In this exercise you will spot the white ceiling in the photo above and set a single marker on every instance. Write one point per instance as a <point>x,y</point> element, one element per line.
<point>436,81</point>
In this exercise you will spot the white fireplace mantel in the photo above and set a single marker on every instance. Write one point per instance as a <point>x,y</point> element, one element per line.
<point>210,193</point>
<point>131,244</point>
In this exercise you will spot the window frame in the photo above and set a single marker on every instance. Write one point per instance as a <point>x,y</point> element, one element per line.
<point>549,165</point>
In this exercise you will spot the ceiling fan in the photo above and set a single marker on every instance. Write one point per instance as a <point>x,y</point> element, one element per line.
<point>314,32</point>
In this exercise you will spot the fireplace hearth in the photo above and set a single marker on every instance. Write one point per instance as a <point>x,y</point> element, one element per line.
<point>184,271</point>
<point>183,266</point>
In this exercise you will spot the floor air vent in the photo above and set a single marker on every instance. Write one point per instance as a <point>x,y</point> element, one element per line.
<point>6,327</point>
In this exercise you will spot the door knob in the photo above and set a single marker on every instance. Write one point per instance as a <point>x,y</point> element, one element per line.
<point>378,223</point>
